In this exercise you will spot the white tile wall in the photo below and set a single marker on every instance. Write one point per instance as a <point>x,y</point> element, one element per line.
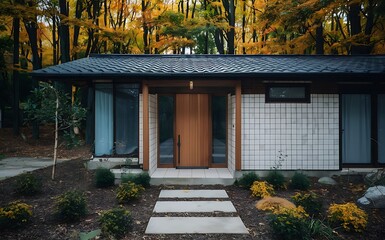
<point>307,133</point>
<point>153,132</point>
<point>231,133</point>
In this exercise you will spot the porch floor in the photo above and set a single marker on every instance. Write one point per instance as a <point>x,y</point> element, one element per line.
<point>192,176</point>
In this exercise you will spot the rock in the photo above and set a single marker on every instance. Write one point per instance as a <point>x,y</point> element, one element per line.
<point>375,178</point>
<point>327,181</point>
<point>374,197</point>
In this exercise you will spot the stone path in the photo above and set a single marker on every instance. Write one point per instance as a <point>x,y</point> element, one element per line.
<point>173,203</point>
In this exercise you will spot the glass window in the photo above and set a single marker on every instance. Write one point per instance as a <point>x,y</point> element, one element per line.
<point>381,128</point>
<point>287,94</point>
<point>126,120</point>
<point>218,111</point>
<point>166,129</point>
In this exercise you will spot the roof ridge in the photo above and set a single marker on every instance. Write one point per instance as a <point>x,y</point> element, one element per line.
<point>231,55</point>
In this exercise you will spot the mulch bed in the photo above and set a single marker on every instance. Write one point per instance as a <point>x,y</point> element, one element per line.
<point>72,174</point>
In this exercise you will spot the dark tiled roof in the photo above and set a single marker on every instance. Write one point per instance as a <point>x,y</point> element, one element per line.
<point>222,66</point>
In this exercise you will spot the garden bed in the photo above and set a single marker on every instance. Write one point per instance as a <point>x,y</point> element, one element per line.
<point>73,175</point>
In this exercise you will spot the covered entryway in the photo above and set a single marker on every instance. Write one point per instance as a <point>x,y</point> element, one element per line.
<point>191,128</point>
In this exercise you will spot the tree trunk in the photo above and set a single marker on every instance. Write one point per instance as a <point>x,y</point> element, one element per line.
<point>319,42</point>
<point>78,15</point>
<point>56,137</point>
<point>16,80</point>
<point>355,28</point>
<point>145,28</point>
<point>64,33</point>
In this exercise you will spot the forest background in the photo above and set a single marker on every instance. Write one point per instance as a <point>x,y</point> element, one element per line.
<point>39,33</point>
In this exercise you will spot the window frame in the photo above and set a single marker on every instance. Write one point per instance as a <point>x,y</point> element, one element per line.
<point>269,99</point>
<point>135,85</point>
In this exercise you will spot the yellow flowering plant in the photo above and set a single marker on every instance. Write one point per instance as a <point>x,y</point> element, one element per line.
<point>261,189</point>
<point>289,223</point>
<point>128,191</point>
<point>349,216</point>
<point>15,214</point>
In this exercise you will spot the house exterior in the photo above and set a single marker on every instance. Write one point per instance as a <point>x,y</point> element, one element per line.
<point>240,112</point>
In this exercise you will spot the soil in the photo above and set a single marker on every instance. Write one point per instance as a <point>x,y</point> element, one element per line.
<point>72,174</point>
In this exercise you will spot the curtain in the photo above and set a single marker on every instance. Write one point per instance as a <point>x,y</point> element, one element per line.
<point>103,120</point>
<point>381,128</point>
<point>356,125</point>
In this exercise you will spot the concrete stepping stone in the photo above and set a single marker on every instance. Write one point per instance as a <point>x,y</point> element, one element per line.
<point>193,194</point>
<point>184,225</point>
<point>193,206</point>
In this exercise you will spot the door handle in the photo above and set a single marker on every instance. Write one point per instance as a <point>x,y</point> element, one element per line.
<point>178,144</point>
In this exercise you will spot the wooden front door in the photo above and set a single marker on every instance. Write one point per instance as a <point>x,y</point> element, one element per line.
<point>192,130</point>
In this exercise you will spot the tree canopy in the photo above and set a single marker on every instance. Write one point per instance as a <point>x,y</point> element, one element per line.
<point>54,31</point>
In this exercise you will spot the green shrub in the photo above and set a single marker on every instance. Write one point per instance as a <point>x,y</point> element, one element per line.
<point>28,184</point>
<point>141,179</point>
<point>128,191</point>
<point>115,222</point>
<point>71,139</point>
<point>309,201</point>
<point>70,206</point>
<point>104,178</point>
<point>15,215</point>
<point>276,179</point>
<point>289,223</point>
<point>247,180</point>
<point>316,229</point>
<point>300,181</point>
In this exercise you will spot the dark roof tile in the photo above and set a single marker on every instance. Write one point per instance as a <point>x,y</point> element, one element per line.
<point>102,66</point>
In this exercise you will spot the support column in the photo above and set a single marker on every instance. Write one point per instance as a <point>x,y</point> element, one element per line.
<point>146,138</point>
<point>238,126</point>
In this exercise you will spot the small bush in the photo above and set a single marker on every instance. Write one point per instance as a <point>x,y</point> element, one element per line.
<point>28,184</point>
<point>104,178</point>
<point>289,223</point>
<point>140,179</point>
<point>276,179</point>
<point>316,229</point>
<point>300,181</point>
<point>115,222</point>
<point>71,206</point>
<point>349,216</point>
<point>273,204</point>
<point>71,139</point>
<point>128,191</point>
<point>247,180</point>
<point>15,215</point>
<point>309,201</point>
<point>261,189</point>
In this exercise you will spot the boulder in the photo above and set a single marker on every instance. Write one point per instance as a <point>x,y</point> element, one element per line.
<point>374,197</point>
<point>375,178</point>
<point>327,181</point>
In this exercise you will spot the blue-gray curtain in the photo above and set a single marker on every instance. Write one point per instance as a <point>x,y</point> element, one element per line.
<point>381,128</point>
<point>356,126</point>
<point>104,138</point>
